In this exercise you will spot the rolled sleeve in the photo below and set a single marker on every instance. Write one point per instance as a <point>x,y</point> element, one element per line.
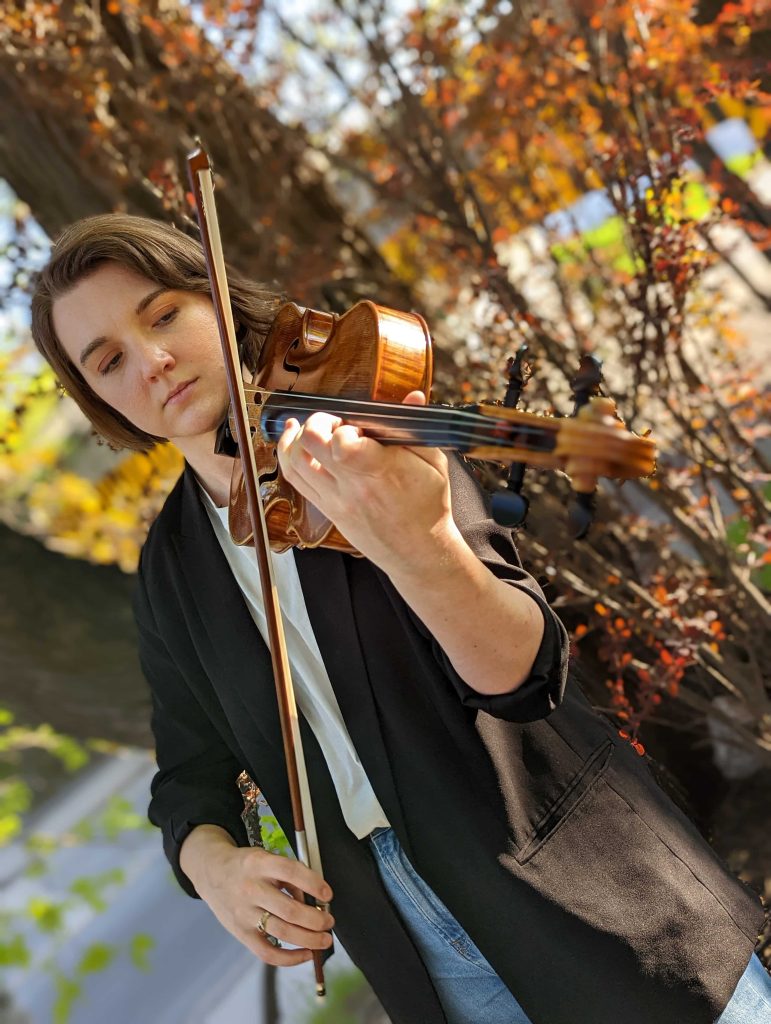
<point>542,691</point>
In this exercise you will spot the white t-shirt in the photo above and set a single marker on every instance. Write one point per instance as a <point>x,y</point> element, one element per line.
<point>313,689</point>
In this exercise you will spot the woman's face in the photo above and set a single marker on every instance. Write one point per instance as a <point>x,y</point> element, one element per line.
<point>151,353</point>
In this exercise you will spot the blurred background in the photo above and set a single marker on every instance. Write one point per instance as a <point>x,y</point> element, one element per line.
<point>578,176</point>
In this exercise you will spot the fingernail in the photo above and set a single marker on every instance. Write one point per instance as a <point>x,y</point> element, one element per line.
<point>326,893</point>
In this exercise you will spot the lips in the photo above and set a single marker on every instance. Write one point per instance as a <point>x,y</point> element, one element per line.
<point>177,391</point>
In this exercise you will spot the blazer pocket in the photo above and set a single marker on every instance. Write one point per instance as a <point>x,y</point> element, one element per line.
<point>571,796</point>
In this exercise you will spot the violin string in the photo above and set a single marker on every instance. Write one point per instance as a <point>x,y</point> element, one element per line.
<point>477,427</point>
<point>449,438</point>
<point>453,439</point>
<point>363,407</point>
<point>435,435</point>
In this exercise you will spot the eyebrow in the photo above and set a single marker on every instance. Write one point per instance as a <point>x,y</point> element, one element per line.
<point>142,305</point>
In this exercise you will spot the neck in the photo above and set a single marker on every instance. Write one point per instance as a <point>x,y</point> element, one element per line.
<point>213,471</point>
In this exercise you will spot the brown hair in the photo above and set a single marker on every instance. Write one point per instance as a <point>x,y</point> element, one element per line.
<point>158,252</point>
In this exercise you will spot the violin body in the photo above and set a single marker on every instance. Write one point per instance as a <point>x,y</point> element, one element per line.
<point>369,352</point>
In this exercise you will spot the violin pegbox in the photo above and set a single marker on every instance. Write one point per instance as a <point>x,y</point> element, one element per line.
<point>591,443</point>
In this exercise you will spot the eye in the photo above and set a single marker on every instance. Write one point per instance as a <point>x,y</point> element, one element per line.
<point>166,318</point>
<point>110,365</point>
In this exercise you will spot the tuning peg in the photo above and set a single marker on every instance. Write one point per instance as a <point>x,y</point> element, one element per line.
<point>587,383</point>
<point>580,514</point>
<point>516,377</point>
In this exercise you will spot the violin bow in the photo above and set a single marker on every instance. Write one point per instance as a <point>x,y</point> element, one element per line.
<point>202,185</point>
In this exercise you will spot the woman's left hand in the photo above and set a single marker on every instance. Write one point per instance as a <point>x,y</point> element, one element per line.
<point>390,502</point>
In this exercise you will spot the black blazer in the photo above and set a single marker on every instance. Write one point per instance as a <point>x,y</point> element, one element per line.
<point>591,895</point>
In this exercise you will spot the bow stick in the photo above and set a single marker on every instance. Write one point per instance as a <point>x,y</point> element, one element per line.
<point>202,185</point>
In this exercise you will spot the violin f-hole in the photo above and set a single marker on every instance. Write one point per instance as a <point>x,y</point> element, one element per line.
<point>291,367</point>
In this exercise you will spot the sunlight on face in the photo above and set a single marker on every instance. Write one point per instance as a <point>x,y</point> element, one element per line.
<point>152,354</point>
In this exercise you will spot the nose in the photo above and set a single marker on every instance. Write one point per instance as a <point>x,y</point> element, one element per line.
<point>155,361</point>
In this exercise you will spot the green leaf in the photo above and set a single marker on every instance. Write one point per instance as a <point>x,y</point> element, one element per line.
<point>6,716</point>
<point>10,827</point>
<point>273,837</point>
<point>118,816</point>
<point>67,991</point>
<point>15,797</point>
<point>36,868</point>
<point>47,915</point>
<point>737,531</point>
<point>140,946</point>
<point>91,887</point>
<point>84,831</point>
<point>743,163</point>
<point>40,843</point>
<point>71,753</point>
<point>762,577</point>
<point>14,952</point>
<point>97,957</point>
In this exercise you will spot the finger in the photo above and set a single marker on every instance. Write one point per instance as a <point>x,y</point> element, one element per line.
<point>291,873</point>
<point>349,447</point>
<point>300,469</point>
<point>294,910</point>
<point>321,425</point>
<point>415,398</point>
<point>305,937</point>
<point>345,448</point>
<point>273,955</point>
<point>288,435</point>
<point>433,456</point>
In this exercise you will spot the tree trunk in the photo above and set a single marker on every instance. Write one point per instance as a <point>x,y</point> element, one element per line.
<point>100,111</point>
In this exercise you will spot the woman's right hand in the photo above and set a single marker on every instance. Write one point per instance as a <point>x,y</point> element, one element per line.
<point>240,883</point>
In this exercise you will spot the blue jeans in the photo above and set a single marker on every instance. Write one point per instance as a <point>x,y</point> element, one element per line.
<point>751,1001</point>
<point>468,988</point>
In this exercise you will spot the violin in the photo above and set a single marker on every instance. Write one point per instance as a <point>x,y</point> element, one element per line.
<point>359,366</point>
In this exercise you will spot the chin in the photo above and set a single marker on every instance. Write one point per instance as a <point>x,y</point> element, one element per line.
<point>192,421</point>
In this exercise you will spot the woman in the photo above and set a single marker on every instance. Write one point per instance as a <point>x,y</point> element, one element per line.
<point>496,852</point>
